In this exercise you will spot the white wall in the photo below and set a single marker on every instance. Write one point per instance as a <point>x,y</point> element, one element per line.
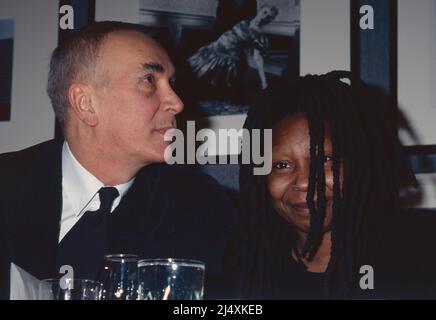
<point>417,79</point>
<point>200,7</point>
<point>325,36</point>
<point>427,182</point>
<point>35,37</point>
<point>116,10</point>
<point>417,67</point>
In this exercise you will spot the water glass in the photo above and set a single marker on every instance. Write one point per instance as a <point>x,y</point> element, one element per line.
<point>119,276</point>
<point>69,289</point>
<point>170,279</point>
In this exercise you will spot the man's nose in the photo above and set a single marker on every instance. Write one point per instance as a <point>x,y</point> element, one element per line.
<point>172,101</point>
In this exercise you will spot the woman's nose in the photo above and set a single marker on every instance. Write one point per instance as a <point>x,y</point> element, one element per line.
<point>301,179</point>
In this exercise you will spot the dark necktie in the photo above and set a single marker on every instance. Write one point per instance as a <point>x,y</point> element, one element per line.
<point>86,243</point>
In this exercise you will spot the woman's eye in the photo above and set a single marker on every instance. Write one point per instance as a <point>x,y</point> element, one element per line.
<point>149,79</point>
<point>328,159</point>
<point>282,165</point>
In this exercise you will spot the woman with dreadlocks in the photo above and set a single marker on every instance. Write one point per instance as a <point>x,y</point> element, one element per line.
<point>325,223</point>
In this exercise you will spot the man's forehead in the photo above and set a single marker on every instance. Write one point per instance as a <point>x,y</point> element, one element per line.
<point>138,48</point>
<point>156,67</point>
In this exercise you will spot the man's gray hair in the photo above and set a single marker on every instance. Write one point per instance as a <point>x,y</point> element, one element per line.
<point>75,61</point>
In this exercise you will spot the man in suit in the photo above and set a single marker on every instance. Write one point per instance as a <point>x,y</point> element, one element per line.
<point>103,189</point>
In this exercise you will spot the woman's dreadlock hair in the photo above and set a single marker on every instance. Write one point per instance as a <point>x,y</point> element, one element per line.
<point>365,149</point>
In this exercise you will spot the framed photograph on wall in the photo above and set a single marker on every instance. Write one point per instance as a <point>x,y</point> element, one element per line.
<point>26,115</point>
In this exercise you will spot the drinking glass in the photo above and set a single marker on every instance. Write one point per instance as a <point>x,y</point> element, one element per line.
<point>170,279</point>
<point>69,289</point>
<point>119,276</point>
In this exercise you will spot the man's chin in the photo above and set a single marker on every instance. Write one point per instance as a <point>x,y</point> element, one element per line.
<point>157,156</point>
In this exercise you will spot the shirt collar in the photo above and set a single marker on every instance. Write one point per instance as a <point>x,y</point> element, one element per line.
<point>80,186</point>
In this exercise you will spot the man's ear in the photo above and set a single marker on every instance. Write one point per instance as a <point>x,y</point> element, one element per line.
<point>80,98</point>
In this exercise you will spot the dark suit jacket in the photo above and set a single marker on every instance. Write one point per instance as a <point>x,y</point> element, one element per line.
<point>170,211</point>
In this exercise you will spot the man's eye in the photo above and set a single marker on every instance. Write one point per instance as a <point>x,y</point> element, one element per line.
<point>149,79</point>
<point>282,165</point>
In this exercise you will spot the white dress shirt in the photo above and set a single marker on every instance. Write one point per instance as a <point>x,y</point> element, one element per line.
<point>80,191</point>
